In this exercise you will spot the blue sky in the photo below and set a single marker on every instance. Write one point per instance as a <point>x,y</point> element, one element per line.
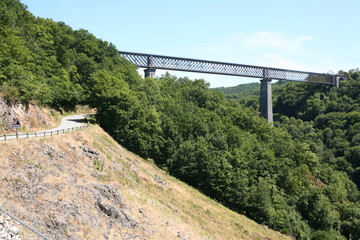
<point>309,35</point>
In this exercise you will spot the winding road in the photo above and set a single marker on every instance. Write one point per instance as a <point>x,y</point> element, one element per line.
<point>71,121</point>
<point>67,123</point>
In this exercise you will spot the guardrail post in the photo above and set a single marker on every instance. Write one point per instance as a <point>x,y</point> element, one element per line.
<point>4,137</point>
<point>35,134</point>
<point>27,135</point>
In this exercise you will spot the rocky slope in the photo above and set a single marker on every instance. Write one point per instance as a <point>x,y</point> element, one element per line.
<point>83,185</point>
<point>30,115</point>
<point>8,228</point>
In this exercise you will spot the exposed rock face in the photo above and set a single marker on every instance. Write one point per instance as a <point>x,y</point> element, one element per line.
<point>8,228</point>
<point>29,115</point>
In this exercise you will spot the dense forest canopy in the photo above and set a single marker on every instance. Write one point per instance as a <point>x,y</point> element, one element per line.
<point>301,177</point>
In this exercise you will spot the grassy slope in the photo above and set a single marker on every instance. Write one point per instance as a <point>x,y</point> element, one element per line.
<point>51,184</point>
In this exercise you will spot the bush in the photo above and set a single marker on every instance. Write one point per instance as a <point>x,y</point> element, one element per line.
<point>10,93</point>
<point>324,235</point>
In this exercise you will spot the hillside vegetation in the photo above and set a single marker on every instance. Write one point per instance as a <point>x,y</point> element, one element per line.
<point>297,178</point>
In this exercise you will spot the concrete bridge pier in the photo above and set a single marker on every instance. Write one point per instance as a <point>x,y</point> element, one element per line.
<point>266,99</point>
<point>150,72</point>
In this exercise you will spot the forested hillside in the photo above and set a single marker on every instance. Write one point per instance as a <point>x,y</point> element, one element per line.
<point>48,62</point>
<point>327,119</point>
<point>298,177</point>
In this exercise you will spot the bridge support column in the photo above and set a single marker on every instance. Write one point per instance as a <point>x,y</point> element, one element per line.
<point>150,72</point>
<point>337,81</point>
<point>266,100</point>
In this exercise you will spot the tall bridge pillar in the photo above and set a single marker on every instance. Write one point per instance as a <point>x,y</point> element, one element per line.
<point>266,99</point>
<point>150,72</point>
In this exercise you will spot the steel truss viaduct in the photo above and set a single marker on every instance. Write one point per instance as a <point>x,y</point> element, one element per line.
<point>151,62</point>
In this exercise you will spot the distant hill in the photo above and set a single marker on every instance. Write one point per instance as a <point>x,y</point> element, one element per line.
<point>241,91</point>
<point>247,94</point>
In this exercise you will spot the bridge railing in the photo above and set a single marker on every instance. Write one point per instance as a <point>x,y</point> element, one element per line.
<point>5,137</point>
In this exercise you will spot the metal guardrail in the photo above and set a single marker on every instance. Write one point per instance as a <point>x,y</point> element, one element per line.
<point>6,137</point>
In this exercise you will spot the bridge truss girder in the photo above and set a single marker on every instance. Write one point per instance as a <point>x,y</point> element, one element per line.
<point>151,61</point>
